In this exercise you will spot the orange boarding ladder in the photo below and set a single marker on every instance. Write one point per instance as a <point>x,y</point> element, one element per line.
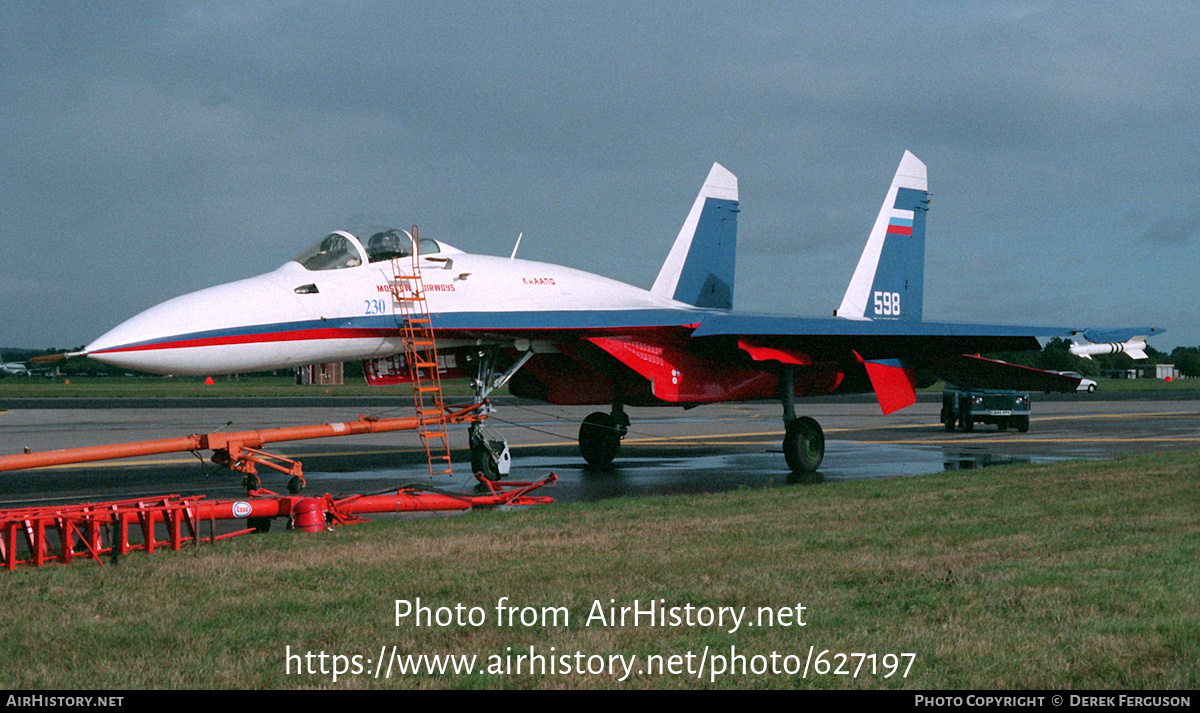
<point>420,353</point>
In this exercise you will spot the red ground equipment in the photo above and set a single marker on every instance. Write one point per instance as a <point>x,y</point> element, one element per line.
<point>37,536</point>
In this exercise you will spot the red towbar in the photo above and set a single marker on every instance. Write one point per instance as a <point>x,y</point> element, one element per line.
<point>236,450</point>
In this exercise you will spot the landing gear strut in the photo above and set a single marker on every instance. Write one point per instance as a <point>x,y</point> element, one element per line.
<point>600,436</point>
<point>489,452</point>
<point>804,441</point>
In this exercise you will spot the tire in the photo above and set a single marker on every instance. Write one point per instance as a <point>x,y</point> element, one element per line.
<point>948,419</point>
<point>1023,424</point>
<point>804,445</point>
<point>599,439</point>
<point>484,463</point>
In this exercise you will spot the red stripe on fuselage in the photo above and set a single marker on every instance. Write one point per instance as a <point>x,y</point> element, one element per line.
<point>900,229</point>
<point>292,336</point>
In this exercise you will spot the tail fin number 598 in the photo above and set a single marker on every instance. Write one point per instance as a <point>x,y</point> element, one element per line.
<point>887,303</point>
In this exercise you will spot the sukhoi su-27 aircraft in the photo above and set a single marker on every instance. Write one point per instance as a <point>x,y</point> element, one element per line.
<point>569,337</point>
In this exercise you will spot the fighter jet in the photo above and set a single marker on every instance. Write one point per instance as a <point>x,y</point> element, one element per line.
<point>569,337</point>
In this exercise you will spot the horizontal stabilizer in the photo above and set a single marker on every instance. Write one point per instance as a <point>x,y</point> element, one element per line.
<point>972,372</point>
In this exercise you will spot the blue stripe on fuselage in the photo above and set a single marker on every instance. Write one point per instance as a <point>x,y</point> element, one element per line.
<point>385,326</point>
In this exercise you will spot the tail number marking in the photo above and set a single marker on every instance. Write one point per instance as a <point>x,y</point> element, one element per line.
<point>376,306</point>
<point>887,303</point>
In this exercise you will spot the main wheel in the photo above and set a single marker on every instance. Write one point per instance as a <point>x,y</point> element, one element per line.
<point>948,418</point>
<point>599,439</point>
<point>1022,424</point>
<point>804,445</point>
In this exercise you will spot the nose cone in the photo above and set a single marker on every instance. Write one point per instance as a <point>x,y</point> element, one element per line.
<point>149,341</point>
<point>198,333</point>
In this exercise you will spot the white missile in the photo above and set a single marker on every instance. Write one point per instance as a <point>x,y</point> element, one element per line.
<point>1135,348</point>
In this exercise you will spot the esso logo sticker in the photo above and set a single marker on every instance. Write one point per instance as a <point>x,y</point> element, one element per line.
<point>241,509</point>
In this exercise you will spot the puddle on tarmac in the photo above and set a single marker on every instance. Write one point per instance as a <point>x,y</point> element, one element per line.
<point>690,472</point>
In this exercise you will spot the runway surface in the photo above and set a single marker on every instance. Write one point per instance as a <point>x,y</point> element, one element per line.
<point>712,448</point>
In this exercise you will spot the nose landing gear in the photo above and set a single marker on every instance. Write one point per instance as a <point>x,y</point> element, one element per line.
<point>490,457</point>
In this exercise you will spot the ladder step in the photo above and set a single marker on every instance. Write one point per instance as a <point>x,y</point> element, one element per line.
<point>410,304</point>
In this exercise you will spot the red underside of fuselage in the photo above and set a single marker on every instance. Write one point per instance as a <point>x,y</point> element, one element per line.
<point>657,370</point>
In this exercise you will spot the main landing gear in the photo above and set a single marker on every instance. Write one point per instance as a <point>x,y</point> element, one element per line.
<point>601,433</point>
<point>803,441</point>
<point>600,436</point>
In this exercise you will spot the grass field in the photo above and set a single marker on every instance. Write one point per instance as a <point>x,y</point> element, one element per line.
<point>1074,575</point>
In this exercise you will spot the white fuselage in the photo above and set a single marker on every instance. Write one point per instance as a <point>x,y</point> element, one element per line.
<point>294,316</point>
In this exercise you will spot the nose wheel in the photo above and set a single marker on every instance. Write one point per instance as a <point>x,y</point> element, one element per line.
<point>489,456</point>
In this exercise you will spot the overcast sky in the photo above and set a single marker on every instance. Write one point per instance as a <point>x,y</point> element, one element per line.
<point>152,149</point>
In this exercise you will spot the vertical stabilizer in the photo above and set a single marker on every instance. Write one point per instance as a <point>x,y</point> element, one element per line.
<point>699,268</point>
<point>889,282</point>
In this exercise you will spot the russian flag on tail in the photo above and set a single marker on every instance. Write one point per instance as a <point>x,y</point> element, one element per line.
<point>900,223</point>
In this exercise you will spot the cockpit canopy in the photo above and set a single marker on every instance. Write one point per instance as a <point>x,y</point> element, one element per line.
<point>342,248</point>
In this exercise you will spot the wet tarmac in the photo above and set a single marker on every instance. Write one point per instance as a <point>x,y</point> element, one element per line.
<point>667,451</point>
